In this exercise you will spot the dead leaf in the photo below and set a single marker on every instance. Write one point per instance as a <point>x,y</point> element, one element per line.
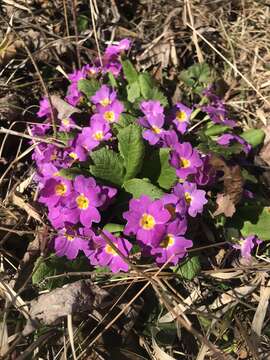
<point>76,298</point>
<point>159,354</point>
<point>63,108</point>
<point>225,205</point>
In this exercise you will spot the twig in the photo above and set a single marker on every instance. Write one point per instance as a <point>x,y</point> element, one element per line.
<point>74,15</point>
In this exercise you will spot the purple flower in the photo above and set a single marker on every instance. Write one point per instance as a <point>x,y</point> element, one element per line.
<point>69,242</point>
<point>110,194</point>
<point>170,139</point>
<point>115,50</point>
<point>111,112</point>
<point>105,255</point>
<point>153,120</point>
<point>91,70</point>
<point>247,245</point>
<point>39,129</point>
<point>146,219</point>
<point>181,116</point>
<point>227,139</point>
<point>195,199</point>
<point>75,153</point>
<point>92,136</point>
<point>74,96</point>
<point>66,124</point>
<point>185,159</point>
<point>84,201</point>
<point>44,108</point>
<point>206,173</point>
<point>103,97</point>
<point>54,190</point>
<point>172,246</point>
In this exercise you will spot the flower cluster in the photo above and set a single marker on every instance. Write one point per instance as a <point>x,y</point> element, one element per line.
<point>82,203</point>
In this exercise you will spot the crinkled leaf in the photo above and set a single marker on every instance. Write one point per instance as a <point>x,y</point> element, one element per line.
<point>133,91</point>
<point>254,137</point>
<point>167,175</point>
<point>216,130</point>
<point>112,80</point>
<point>70,173</point>
<point>113,228</point>
<point>88,87</point>
<point>189,269</point>
<point>138,187</point>
<point>131,147</point>
<point>126,119</point>
<point>108,165</point>
<point>146,85</point>
<point>252,219</point>
<point>129,71</point>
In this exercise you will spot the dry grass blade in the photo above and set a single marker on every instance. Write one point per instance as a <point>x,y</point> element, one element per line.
<point>258,320</point>
<point>71,335</point>
<point>159,354</point>
<point>6,292</point>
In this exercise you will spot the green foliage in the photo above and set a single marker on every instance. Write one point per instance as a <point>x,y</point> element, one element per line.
<point>138,187</point>
<point>88,87</point>
<point>108,165</point>
<point>131,147</point>
<point>82,23</point>
<point>53,265</point>
<point>216,130</point>
<point>133,91</point>
<point>252,219</point>
<point>197,77</point>
<point>114,228</point>
<point>129,71</point>
<point>167,175</point>
<point>254,137</point>
<point>126,119</point>
<point>70,173</point>
<point>208,145</point>
<point>189,268</point>
<point>146,85</point>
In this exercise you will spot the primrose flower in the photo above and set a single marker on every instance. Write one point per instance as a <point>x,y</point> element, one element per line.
<point>185,159</point>
<point>227,139</point>
<point>91,70</point>
<point>206,173</point>
<point>181,116</point>
<point>92,136</point>
<point>104,97</point>
<point>39,129</point>
<point>172,246</point>
<point>153,120</point>
<point>111,112</point>
<point>66,124</point>
<point>170,139</point>
<point>75,153</point>
<point>44,108</point>
<point>69,242</point>
<point>74,96</point>
<point>84,201</point>
<point>54,190</point>
<point>105,255</point>
<point>146,219</point>
<point>195,199</point>
<point>115,50</point>
<point>247,245</point>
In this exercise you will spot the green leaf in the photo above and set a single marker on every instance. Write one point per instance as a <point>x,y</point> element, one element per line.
<point>113,228</point>
<point>126,119</point>
<point>216,130</point>
<point>146,85</point>
<point>133,91</point>
<point>167,176</point>
<point>254,137</point>
<point>131,147</point>
<point>252,219</point>
<point>112,80</point>
<point>129,71</point>
<point>108,165</point>
<point>82,23</point>
<point>70,173</point>
<point>189,269</point>
<point>88,87</point>
<point>159,96</point>
<point>138,187</point>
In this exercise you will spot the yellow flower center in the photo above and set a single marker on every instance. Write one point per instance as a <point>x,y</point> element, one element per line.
<point>109,116</point>
<point>168,241</point>
<point>82,202</point>
<point>110,250</point>
<point>65,122</point>
<point>69,237</point>
<point>98,135</point>
<point>156,129</point>
<point>188,197</point>
<point>73,155</point>
<point>53,156</point>
<point>147,222</point>
<point>105,102</point>
<point>60,189</point>
<point>185,163</point>
<point>181,116</point>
